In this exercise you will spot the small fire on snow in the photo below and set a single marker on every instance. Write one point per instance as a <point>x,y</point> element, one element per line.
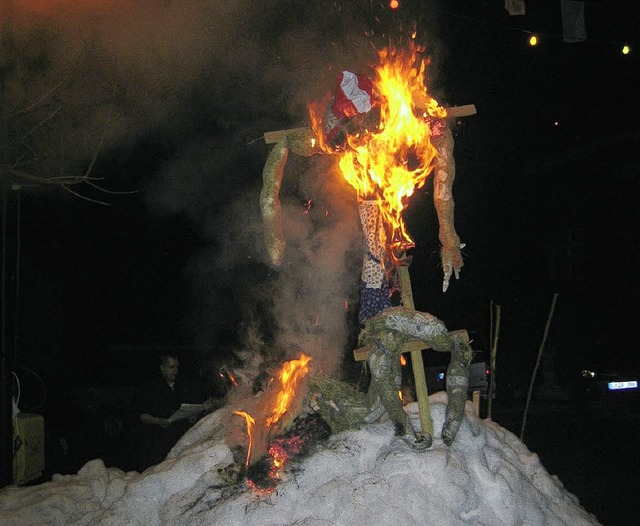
<point>266,469</point>
<point>306,431</point>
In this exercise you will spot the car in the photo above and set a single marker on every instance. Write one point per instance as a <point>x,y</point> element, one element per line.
<point>606,377</point>
<point>479,377</point>
<point>436,365</point>
<point>599,384</point>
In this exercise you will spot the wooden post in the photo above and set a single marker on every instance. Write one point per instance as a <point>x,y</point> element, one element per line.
<point>535,368</point>
<point>476,402</point>
<point>417,363</point>
<point>495,332</point>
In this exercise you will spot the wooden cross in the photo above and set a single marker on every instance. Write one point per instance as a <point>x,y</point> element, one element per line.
<point>415,347</point>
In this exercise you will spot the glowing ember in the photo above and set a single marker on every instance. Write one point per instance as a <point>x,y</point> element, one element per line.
<point>306,431</point>
<point>226,374</point>
<point>389,162</point>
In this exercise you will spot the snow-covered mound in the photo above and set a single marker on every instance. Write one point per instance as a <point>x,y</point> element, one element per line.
<point>368,476</point>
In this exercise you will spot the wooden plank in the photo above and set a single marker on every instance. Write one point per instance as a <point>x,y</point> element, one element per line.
<point>476,402</point>
<point>466,110</point>
<point>461,111</point>
<point>362,353</point>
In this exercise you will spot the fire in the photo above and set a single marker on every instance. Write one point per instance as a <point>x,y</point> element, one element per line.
<point>291,372</point>
<point>226,374</point>
<point>389,162</point>
<point>289,377</point>
<point>250,423</point>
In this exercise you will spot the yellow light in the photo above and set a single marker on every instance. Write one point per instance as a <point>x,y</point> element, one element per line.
<point>626,49</point>
<point>533,40</point>
<point>394,4</point>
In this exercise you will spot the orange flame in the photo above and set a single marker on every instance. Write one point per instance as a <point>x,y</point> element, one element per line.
<point>389,163</point>
<point>250,423</point>
<point>226,373</point>
<point>291,372</point>
<point>403,360</point>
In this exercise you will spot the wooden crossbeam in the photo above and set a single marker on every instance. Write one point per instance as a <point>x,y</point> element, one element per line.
<point>466,110</point>
<point>362,353</point>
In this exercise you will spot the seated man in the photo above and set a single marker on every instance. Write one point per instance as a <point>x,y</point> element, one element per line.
<point>158,401</point>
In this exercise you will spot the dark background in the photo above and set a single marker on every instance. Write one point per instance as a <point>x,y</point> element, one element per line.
<point>546,201</point>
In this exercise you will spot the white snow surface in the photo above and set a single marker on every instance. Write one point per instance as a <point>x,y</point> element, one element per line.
<point>364,477</point>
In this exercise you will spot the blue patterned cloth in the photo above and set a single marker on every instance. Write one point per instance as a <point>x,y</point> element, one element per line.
<point>373,301</point>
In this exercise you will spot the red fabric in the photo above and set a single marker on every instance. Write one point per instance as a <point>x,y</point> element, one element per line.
<point>343,106</point>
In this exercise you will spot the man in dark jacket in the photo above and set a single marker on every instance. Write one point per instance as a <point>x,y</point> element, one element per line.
<point>158,401</point>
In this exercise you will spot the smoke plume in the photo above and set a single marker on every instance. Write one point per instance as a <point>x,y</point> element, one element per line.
<point>201,81</point>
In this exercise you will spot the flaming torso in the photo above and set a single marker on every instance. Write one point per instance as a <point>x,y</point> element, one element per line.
<point>388,158</point>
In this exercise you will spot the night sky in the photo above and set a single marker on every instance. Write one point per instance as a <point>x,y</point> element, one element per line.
<point>546,188</point>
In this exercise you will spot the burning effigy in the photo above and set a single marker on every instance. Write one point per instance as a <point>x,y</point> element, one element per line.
<point>389,135</point>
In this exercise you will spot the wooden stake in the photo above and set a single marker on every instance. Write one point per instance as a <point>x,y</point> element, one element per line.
<point>417,364</point>
<point>494,351</point>
<point>535,369</point>
<point>476,402</point>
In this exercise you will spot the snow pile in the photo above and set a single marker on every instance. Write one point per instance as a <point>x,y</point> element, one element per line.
<point>368,476</point>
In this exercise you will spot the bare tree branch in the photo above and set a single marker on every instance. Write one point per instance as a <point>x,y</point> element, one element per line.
<point>84,197</point>
<point>113,192</point>
<point>60,180</point>
<point>44,98</point>
<point>41,123</point>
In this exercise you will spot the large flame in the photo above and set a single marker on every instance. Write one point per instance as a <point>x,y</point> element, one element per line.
<point>291,372</point>
<point>390,162</point>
